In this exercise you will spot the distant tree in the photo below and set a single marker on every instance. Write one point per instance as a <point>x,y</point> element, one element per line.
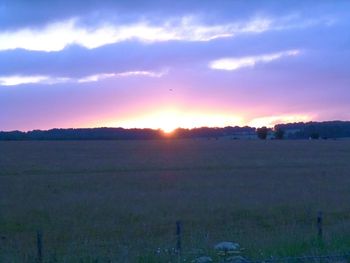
<point>315,135</point>
<point>279,134</point>
<point>262,133</point>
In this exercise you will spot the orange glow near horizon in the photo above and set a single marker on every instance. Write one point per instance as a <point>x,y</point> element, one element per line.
<point>271,121</point>
<point>169,120</point>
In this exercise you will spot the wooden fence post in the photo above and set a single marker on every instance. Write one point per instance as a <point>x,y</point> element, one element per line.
<point>178,237</point>
<point>39,245</point>
<point>320,225</point>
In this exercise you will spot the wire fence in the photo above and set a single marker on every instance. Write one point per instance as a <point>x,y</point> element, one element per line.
<point>176,252</point>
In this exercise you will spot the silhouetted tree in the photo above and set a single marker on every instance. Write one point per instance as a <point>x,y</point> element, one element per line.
<point>262,133</point>
<point>279,134</point>
<point>315,135</point>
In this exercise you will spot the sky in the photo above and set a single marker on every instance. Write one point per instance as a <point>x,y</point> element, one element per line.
<point>168,64</point>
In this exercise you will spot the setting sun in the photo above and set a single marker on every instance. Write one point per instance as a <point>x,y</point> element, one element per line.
<point>169,120</point>
<point>168,130</point>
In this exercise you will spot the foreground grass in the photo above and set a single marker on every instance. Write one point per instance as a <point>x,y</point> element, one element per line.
<point>115,201</point>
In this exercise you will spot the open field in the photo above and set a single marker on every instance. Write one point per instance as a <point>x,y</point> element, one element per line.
<point>117,201</point>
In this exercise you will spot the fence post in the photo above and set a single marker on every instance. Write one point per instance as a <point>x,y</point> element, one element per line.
<point>39,245</point>
<point>178,237</point>
<point>320,225</point>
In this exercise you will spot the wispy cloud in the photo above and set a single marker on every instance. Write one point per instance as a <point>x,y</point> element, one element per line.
<point>18,80</point>
<point>98,77</point>
<point>234,63</point>
<point>57,36</point>
<point>15,80</point>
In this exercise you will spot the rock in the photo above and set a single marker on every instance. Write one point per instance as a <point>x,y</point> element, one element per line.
<point>203,259</point>
<point>227,246</point>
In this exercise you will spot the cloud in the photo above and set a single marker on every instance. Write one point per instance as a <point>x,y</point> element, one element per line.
<point>18,80</point>
<point>39,12</point>
<point>98,77</point>
<point>15,80</point>
<point>250,61</point>
<point>57,36</point>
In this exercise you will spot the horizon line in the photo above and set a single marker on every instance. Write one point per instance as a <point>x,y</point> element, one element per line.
<point>178,128</point>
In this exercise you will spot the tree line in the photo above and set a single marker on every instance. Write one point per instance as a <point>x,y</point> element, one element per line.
<point>313,130</point>
<point>120,133</point>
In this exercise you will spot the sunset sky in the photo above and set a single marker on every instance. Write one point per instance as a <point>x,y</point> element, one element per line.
<point>168,64</point>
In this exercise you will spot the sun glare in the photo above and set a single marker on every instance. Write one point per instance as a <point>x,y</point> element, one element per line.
<point>168,130</point>
<point>170,120</point>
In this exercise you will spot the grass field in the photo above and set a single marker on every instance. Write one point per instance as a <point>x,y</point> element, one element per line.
<point>117,201</point>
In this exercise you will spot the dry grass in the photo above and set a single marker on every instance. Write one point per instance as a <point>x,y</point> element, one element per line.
<point>117,201</point>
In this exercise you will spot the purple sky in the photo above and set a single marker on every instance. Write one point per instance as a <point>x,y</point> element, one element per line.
<point>165,64</point>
